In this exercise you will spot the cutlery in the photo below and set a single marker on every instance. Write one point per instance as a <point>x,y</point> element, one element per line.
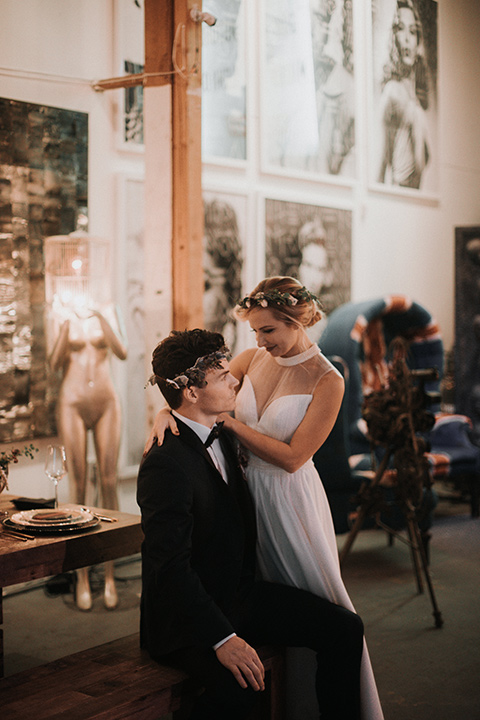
<point>18,535</point>
<point>105,518</point>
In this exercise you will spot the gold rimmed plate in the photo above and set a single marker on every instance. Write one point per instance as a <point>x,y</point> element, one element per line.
<point>68,515</point>
<point>51,529</point>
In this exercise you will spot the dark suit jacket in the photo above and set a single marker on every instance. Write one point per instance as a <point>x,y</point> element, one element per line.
<point>199,549</point>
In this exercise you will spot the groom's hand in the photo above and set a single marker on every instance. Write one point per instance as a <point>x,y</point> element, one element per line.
<point>242,660</point>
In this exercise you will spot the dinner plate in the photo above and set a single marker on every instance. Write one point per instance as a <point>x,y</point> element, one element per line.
<point>51,529</point>
<point>67,516</point>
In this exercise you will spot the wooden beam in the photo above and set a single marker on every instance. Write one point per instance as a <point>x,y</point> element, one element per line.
<point>159,36</point>
<point>170,30</point>
<point>188,283</point>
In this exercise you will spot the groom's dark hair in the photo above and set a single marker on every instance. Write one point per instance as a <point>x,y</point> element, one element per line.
<point>178,352</point>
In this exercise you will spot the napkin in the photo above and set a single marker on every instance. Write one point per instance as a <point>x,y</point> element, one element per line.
<point>24,503</point>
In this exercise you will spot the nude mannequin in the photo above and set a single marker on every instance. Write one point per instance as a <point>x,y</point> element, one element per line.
<point>88,401</point>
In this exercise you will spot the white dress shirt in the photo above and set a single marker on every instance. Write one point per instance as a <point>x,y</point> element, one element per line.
<point>214,450</point>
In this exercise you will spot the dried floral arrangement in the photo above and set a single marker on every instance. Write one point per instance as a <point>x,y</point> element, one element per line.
<point>12,457</point>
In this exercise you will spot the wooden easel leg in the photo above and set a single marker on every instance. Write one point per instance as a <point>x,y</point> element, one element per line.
<point>436,612</point>
<point>357,526</point>
<point>414,538</point>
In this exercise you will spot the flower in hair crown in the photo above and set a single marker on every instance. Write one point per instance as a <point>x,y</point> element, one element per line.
<point>276,297</point>
<point>195,375</point>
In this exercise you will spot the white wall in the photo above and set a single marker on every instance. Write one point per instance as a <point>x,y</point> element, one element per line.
<point>400,244</point>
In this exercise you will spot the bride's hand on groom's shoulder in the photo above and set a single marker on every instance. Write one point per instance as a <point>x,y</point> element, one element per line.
<point>164,420</point>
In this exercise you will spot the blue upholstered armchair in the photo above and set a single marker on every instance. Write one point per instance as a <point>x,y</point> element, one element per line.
<point>332,460</point>
<point>360,334</point>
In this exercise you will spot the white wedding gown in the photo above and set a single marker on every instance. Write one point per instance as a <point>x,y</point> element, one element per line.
<point>296,537</point>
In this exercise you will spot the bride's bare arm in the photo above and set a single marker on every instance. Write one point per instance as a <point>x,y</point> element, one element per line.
<point>164,420</point>
<point>310,434</point>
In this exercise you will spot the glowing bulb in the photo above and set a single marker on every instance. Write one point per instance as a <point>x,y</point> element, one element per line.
<point>77,264</point>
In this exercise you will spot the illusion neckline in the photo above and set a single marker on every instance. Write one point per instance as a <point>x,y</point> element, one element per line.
<point>307,354</point>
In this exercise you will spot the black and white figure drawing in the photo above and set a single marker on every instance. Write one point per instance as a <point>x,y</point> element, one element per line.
<point>133,108</point>
<point>312,244</point>
<point>223,262</point>
<point>223,83</point>
<point>308,87</point>
<point>404,124</point>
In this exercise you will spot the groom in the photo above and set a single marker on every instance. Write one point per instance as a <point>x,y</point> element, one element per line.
<point>202,609</point>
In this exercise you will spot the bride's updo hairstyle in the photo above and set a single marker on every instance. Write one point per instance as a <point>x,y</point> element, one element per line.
<point>288,300</point>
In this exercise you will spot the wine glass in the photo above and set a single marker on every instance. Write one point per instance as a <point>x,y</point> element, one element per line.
<point>55,466</point>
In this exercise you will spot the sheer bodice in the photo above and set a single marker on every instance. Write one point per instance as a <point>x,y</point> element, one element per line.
<point>288,378</point>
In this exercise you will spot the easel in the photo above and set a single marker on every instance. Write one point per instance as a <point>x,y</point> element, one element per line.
<point>393,416</point>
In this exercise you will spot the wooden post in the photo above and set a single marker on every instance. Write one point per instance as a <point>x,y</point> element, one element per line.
<point>170,30</point>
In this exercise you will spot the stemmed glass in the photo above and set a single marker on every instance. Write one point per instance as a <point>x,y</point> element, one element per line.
<point>55,466</point>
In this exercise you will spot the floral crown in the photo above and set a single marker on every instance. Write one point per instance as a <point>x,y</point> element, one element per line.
<point>195,375</point>
<point>276,297</point>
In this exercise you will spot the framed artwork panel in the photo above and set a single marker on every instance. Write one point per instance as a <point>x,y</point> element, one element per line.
<point>308,88</point>
<point>224,109</point>
<point>129,59</point>
<point>403,103</point>
<point>130,274</point>
<point>313,244</point>
<point>224,262</point>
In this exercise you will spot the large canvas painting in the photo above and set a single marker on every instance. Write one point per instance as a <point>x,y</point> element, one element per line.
<point>404,113</point>
<point>308,87</point>
<point>43,190</point>
<point>467,325</point>
<point>311,243</point>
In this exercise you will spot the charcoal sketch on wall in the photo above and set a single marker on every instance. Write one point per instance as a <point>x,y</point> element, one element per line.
<point>133,107</point>
<point>223,258</point>
<point>308,87</point>
<point>311,243</point>
<point>467,325</point>
<point>403,127</point>
<point>43,191</point>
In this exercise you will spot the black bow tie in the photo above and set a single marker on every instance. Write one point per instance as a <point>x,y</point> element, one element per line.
<point>214,433</point>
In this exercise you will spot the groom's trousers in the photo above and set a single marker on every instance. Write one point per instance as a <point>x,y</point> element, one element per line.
<point>277,614</point>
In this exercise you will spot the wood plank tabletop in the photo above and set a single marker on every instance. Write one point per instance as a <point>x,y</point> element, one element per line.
<point>55,554</point>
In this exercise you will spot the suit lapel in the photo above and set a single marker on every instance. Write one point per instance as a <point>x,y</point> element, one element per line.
<point>191,438</point>
<point>236,488</point>
<point>228,447</point>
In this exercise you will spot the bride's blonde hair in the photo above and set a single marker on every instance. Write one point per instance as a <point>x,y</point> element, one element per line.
<point>288,299</point>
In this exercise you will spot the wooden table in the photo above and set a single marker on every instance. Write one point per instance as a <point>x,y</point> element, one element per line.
<point>48,555</point>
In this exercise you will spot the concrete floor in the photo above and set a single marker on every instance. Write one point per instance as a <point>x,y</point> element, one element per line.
<point>423,673</point>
